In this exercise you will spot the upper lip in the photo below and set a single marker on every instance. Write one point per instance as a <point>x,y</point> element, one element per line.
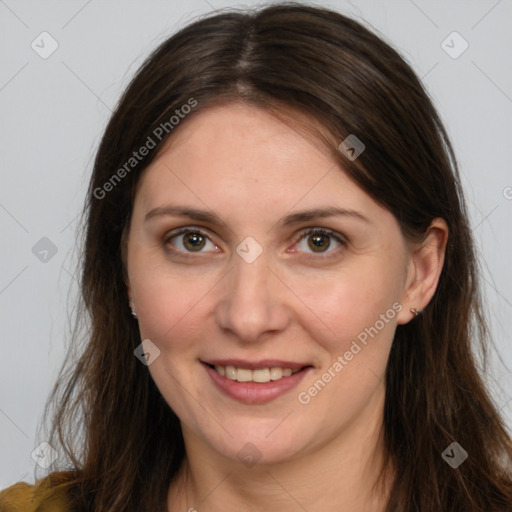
<point>254,365</point>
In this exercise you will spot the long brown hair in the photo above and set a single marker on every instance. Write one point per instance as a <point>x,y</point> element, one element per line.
<point>122,441</point>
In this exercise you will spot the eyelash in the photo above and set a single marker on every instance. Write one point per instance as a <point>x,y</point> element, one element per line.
<point>304,234</point>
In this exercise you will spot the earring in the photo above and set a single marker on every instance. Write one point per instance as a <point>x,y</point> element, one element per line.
<point>414,312</point>
<point>133,310</point>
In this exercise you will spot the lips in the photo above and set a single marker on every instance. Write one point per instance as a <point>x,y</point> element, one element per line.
<point>255,392</point>
<point>254,365</point>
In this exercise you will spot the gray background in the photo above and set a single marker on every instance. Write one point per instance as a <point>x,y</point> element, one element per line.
<point>53,112</point>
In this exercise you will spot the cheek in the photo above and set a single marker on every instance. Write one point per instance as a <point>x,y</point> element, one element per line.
<point>171,314</point>
<point>360,312</point>
<point>348,304</point>
<point>168,309</point>
<point>360,308</point>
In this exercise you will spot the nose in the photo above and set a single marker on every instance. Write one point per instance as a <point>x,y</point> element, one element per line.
<point>253,301</point>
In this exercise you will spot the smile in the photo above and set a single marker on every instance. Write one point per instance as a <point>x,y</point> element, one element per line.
<point>258,375</point>
<point>255,385</point>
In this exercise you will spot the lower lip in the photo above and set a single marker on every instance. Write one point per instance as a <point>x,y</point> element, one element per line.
<point>255,392</point>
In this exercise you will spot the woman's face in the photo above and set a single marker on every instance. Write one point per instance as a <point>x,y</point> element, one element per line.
<point>253,292</point>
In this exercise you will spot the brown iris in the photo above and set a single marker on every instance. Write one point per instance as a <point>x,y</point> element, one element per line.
<point>318,242</point>
<point>196,240</point>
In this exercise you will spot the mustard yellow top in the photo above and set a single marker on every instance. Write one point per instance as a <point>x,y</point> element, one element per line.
<point>46,495</point>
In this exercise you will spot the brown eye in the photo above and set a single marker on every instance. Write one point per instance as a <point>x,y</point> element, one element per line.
<point>319,240</point>
<point>194,241</point>
<point>188,240</point>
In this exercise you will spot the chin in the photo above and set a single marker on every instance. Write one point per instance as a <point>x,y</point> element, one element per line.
<point>256,443</point>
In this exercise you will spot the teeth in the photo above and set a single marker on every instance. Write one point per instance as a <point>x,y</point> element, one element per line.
<point>259,375</point>
<point>276,373</point>
<point>243,375</point>
<point>230,372</point>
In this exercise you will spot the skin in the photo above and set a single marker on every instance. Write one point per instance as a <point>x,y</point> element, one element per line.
<point>291,303</point>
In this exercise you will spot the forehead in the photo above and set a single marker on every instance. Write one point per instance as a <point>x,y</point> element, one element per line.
<point>240,134</point>
<point>240,155</point>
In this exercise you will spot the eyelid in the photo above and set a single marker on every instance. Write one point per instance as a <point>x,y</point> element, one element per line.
<point>186,229</point>
<point>325,231</point>
<point>298,237</point>
<point>340,238</point>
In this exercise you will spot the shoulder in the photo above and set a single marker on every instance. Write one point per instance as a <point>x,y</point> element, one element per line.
<point>48,494</point>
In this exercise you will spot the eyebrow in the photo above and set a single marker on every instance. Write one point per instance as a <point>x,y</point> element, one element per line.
<point>294,218</point>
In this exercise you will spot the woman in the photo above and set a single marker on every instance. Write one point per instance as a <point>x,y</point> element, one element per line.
<point>282,288</point>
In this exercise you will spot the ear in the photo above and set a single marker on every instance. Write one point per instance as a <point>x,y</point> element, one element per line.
<point>424,269</point>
